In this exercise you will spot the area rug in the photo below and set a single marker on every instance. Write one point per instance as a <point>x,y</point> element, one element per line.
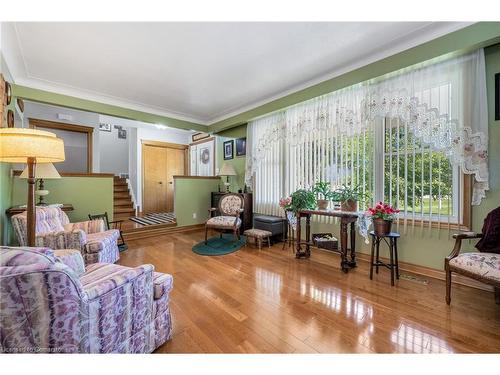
<point>219,246</point>
<point>155,218</point>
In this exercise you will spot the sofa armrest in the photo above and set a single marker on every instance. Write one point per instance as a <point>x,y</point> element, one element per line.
<point>62,240</point>
<point>88,226</point>
<point>115,280</point>
<point>71,258</point>
<point>467,235</point>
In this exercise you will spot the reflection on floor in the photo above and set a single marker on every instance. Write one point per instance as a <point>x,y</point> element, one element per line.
<point>268,301</point>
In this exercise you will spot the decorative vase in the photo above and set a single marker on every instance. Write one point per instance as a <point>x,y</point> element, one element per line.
<point>292,219</point>
<point>322,204</point>
<point>349,205</point>
<point>382,227</point>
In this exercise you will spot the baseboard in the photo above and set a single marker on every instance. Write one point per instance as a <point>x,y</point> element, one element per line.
<point>432,272</point>
<point>158,231</point>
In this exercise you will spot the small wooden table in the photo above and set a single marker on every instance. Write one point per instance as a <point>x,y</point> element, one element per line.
<point>18,209</point>
<point>346,218</point>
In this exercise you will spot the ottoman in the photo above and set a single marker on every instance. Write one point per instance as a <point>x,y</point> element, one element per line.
<point>274,224</point>
<point>258,235</point>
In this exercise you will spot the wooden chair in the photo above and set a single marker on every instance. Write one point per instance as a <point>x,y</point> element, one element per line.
<point>115,224</point>
<point>230,208</point>
<point>484,267</point>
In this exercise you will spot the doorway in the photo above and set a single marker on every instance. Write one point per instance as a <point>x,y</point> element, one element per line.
<point>160,162</point>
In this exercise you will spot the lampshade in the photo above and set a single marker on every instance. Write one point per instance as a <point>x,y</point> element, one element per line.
<point>18,144</point>
<point>43,170</point>
<point>227,170</point>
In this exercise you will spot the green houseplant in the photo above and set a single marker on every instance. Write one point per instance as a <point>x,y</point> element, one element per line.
<point>349,197</point>
<point>323,194</point>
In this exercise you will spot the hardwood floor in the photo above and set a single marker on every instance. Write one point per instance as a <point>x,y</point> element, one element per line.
<point>267,301</point>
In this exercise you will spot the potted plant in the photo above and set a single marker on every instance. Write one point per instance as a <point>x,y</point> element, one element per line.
<point>382,215</point>
<point>301,199</point>
<point>349,197</point>
<point>323,194</point>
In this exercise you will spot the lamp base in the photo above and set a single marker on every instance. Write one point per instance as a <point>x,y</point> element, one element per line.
<point>227,184</point>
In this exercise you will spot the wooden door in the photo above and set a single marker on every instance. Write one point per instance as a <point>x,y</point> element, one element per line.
<point>154,179</point>
<point>161,161</point>
<point>175,167</point>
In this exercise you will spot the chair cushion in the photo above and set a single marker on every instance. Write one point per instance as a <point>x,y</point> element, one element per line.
<point>96,242</point>
<point>71,258</point>
<point>162,283</point>
<point>223,221</point>
<point>485,265</point>
<point>257,233</point>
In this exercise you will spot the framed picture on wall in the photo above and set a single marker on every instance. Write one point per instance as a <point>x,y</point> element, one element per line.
<point>104,127</point>
<point>122,134</point>
<point>241,147</point>
<point>228,150</point>
<point>497,96</point>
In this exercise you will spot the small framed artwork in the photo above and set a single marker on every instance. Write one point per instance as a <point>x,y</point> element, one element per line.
<point>199,136</point>
<point>497,97</point>
<point>104,127</point>
<point>241,147</point>
<point>122,134</point>
<point>228,150</point>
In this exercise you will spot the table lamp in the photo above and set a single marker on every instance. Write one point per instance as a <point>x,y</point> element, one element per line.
<point>227,170</point>
<point>43,171</point>
<point>30,146</point>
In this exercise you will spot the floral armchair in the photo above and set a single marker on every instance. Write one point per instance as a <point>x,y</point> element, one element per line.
<point>53,230</point>
<point>484,265</point>
<point>51,303</point>
<point>230,209</point>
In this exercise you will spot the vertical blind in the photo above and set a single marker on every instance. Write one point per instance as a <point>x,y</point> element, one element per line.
<point>397,141</point>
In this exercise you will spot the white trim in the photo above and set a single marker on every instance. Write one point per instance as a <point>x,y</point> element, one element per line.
<point>398,44</point>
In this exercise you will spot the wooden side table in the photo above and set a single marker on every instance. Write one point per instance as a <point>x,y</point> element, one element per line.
<point>391,240</point>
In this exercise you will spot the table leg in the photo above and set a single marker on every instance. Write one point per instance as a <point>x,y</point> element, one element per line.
<point>298,252</point>
<point>371,258</point>
<point>308,236</point>
<point>396,257</point>
<point>352,263</point>
<point>377,260</point>
<point>391,254</point>
<point>343,246</point>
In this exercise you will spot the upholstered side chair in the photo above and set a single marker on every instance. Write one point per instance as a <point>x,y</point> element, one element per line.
<point>52,303</point>
<point>483,265</point>
<point>229,210</point>
<point>53,230</point>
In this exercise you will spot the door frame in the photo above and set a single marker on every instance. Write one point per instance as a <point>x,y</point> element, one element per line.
<point>214,150</point>
<point>177,146</point>
<point>34,123</point>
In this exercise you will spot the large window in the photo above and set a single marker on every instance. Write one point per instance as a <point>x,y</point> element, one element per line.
<point>416,138</point>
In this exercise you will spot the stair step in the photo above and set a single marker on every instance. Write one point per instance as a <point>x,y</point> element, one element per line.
<point>121,195</point>
<point>122,216</point>
<point>123,210</point>
<point>120,184</point>
<point>120,189</point>
<point>125,204</point>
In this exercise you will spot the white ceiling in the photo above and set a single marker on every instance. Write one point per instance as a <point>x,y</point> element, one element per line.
<point>202,72</point>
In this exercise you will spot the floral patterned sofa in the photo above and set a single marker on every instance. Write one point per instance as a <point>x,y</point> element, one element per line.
<point>51,303</point>
<point>53,230</point>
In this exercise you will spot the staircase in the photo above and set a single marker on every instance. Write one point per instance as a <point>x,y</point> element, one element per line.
<point>123,207</point>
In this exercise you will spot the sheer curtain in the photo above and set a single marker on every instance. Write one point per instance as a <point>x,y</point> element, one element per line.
<point>442,103</point>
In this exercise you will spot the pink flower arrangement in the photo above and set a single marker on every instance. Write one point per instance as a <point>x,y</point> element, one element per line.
<point>383,211</point>
<point>285,202</point>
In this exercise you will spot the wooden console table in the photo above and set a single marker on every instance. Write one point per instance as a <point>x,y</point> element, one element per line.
<point>346,218</point>
<point>18,209</point>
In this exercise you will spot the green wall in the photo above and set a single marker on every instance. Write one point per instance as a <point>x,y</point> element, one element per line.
<point>5,201</point>
<point>478,35</point>
<point>238,162</point>
<point>86,194</point>
<point>193,196</point>
<point>429,247</point>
